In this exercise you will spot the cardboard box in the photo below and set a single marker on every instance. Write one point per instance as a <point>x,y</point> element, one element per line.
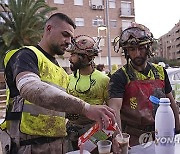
<point>93,135</point>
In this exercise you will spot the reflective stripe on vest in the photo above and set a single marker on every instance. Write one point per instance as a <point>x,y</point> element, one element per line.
<point>37,110</point>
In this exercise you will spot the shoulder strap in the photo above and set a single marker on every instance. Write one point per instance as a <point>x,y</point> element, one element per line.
<point>154,70</point>
<point>130,72</point>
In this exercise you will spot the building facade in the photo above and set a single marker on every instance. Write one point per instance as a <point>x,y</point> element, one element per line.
<point>170,44</point>
<point>103,19</point>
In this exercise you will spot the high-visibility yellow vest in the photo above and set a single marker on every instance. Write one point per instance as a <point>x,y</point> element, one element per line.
<point>150,76</point>
<point>46,122</point>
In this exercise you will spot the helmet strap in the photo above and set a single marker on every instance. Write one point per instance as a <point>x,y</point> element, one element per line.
<point>126,53</point>
<point>149,52</point>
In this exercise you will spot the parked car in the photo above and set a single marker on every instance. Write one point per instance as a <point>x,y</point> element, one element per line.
<point>174,78</point>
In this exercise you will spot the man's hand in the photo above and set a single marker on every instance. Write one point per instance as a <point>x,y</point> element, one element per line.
<point>101,114</point>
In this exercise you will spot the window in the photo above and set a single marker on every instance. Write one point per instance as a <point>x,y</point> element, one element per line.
<point>59,1</point>
<point>112,3</point>
<point>2,20</point>
<point>177,76</point>
<point>97,22</point>
<point>79,22</point>
<point>126,24</point>
<point>6,15</point>
<point>78,2</point>
<point>126,8</point>
<point>102,41</point>
<point>5,1</point>
<point>96,2</point>
<point>113,23</point>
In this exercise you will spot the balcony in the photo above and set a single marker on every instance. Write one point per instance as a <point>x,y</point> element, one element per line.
<point>127,13</point>
<point>178,38</point>
<point>178,45</point>
<point>97,7</point>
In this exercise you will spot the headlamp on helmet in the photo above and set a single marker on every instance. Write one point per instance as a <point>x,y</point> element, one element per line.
<point>84,44</point>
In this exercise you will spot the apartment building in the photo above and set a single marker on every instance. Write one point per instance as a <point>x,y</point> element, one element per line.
<point>170,43</point>
<point>98,18</point>
<point>103,19</point>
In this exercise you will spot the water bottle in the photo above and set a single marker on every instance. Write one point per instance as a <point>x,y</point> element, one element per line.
<point>164,128</point>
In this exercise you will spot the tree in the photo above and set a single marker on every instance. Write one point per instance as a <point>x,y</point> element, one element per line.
<point>23,23</point>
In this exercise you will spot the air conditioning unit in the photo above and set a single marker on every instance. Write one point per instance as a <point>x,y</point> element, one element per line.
<point>100,7</point>
<point>94,7</point>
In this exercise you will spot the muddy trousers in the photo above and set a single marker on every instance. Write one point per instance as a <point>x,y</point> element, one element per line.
<point>42,146</point>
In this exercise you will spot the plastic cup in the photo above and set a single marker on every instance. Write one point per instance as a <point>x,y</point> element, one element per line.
<point>104,146</point>
<point>123,141</point>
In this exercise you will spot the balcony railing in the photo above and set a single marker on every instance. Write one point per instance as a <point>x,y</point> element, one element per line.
<point>124,12</point>
<point>97,7</point>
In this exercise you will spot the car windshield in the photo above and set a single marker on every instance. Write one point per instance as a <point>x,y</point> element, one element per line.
<point>173,73</point>
<point>174,78</point>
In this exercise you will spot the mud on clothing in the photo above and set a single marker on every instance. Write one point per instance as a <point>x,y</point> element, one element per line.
<point>137,112</point>
<point>32,127</point>
<point>119,80</point>
<point>92,89</point>
<point>26,61</point>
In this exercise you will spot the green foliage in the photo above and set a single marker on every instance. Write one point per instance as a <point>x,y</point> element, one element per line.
<point>174,63</point>
<point>171,63</point>
<point>24,22</point>
<point>156,60</point>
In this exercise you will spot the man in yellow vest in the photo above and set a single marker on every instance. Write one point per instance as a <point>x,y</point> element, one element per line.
<point>86,82</point>
<point>132,85</point>
<point>37,101</point>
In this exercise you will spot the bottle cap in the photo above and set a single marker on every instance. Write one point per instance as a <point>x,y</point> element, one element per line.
<point>154,99</point>
<point>164,100</point>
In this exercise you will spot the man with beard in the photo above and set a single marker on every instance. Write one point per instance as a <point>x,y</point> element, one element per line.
<point>86,83</point>
<point>37,99</point>
<point>131,86</point>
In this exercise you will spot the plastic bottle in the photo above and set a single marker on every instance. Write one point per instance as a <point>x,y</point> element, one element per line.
<point>164,128</point>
